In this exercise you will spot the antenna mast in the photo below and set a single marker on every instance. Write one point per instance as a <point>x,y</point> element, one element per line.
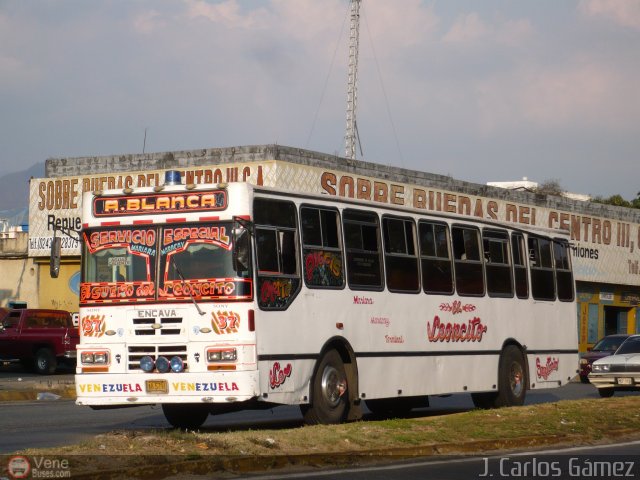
<point>352,87</point>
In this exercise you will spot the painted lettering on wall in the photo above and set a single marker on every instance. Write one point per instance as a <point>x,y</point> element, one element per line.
<point>278,375</point>
<point>66,193</point>
<point>582,228</point>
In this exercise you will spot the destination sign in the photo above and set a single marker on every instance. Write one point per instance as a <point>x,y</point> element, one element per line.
<point>156,203</point>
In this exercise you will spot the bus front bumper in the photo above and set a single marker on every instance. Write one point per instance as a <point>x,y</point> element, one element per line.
<point>149,388</point>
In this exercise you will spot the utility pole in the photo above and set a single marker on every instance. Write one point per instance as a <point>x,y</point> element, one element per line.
<point>352,87</point>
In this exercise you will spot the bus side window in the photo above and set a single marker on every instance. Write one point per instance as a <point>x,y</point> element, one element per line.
<point>564,275</point>
<point>542,274</point>
<point>520,265</point>
<point>498,263</point>
<point>468,262</point>
<point>276,252</point>
<point>362,249</point>
<point>321,251</point>
<point>400,255</point>
<point>435,256</point>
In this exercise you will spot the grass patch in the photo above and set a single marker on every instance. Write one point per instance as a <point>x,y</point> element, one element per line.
<point>577,421</point>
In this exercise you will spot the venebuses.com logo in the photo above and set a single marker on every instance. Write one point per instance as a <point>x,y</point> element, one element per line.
<point>38,467</point>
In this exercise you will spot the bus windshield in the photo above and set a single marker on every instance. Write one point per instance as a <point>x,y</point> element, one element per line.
<point>129,264</point>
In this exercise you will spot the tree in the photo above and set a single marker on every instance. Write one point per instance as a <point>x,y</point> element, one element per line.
<point>550,187</point>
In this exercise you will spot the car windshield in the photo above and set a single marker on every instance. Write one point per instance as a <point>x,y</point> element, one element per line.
<point>631,345</point>
<point>608,344</point>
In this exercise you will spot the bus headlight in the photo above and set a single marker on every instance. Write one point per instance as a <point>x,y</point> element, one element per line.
<point>147,364</point>
<point>222,355</point>
<point>162,364</point>
<point>177,365</point>
<point>94,358</point>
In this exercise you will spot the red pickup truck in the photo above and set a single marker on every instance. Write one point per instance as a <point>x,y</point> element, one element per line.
<point>37,337</point>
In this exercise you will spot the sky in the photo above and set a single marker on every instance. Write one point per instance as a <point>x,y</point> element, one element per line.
<point>482,91</point>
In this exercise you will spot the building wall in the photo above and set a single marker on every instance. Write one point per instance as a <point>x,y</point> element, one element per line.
<point>62,292</point>
<point>605,239</point>
<point>19,279</point>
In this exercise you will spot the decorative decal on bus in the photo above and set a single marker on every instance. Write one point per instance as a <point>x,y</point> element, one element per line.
<point>175,238</point>
<point>155,203</point>
<point>112,292</point>
<point>278,375</point>
<point>471,331</point>
<point>225,322</point>
<point>323,268</point>
<point>204,386</point>
<point>93,326</point>
<point>138,240</point>
<point>545,371</point>
<point>456,307</point>
<point>358,300</point>
<point>109,387</point>
<point>276,292</point>
<point>380,321</point>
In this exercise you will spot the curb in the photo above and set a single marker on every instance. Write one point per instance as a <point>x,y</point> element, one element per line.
<point>37,394</point>
<point>162,466</point>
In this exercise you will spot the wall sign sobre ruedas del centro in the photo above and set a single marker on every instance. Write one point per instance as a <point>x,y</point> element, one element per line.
<point>157,203</point>
<point>603,249</point>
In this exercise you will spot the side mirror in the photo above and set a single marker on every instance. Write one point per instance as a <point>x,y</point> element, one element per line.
<point>241,247</point>
<point>56,253</point>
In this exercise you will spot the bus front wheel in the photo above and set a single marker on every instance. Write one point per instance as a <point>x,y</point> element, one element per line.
<point>329,392</point>
<point>185,416</point>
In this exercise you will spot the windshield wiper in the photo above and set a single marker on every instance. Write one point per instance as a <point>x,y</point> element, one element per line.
<point>184,283</point>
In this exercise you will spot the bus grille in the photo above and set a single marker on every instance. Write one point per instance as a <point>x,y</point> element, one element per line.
<point>168,326</point>
<point>154,351</point>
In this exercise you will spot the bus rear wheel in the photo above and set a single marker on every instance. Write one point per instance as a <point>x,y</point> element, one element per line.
<point>185,416</point>
<point>329,392</point>
<point>512,382</point>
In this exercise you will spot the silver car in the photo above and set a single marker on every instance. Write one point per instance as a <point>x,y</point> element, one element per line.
<point>620,371</point>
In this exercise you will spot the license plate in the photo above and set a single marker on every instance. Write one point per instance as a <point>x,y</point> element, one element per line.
<point>157,386</point>
<point>625,381</point>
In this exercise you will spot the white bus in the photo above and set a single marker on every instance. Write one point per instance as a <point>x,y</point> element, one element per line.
<point>210,298</point>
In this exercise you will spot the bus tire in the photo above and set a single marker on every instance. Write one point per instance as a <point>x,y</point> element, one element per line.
<point>185,416</point>
<point>45,362</point>
<point>512,382</point>
<point>329,392</point>
<point>606,392</point>
<point>512,378</point>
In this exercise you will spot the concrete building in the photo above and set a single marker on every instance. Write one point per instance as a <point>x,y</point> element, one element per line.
<point>19,279</point>
<point>605,239</point>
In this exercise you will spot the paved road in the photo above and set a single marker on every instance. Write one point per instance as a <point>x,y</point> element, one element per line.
<point>598,462</point>
<point>60,422</point>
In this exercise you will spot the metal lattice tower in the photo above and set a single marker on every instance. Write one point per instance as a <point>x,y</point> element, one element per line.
<point>352,87</point>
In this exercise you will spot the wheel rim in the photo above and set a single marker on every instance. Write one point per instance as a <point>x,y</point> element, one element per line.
<point>515,379</point>
<point>42,363</point>
<point>333,386</point>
